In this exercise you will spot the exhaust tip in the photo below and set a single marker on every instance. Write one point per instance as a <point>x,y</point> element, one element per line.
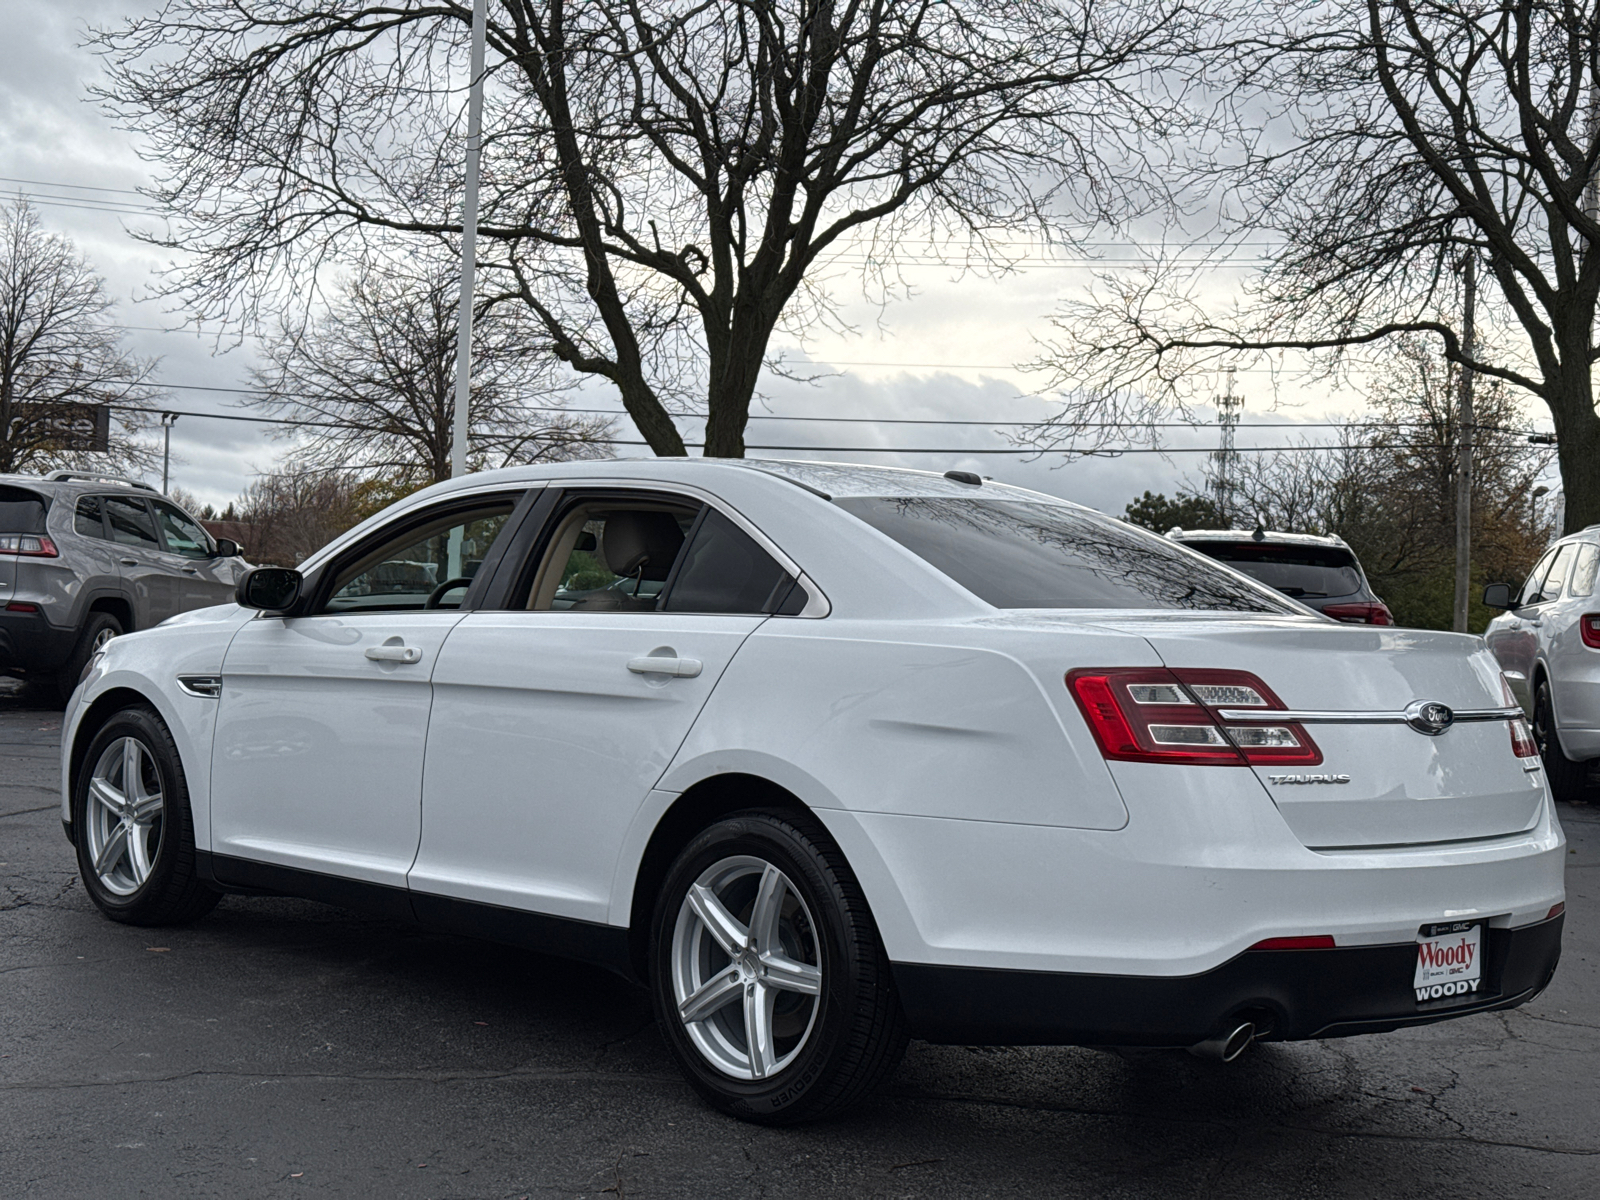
<point>1226,1047</point>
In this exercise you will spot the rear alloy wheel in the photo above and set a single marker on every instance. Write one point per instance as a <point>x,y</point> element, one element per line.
<point>768,977</point>
<point>1568,780</point>
<point>132,825</point>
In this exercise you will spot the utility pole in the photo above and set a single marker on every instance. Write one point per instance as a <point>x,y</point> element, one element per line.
<point>1225,457</point>
<point>168,420</point>
<point>459,428</point>
<point>1469,285</point>
<point>469,243</point>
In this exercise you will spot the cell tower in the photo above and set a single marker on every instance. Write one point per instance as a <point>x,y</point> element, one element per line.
<point>1225,459</point>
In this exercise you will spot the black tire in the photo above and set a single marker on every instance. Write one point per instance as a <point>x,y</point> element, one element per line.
<point>856,1034</point>
<point>172,892</point>
<point>1569,780</point>
<point>96,631</point>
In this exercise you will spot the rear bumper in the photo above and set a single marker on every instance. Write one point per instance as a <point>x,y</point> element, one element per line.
<point>1291,995</point>
<point>28,642</point>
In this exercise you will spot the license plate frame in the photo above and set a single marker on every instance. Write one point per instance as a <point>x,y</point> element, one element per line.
<point>1449,968</point>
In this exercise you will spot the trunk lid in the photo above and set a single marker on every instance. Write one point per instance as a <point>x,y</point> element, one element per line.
<point>1404,787</point>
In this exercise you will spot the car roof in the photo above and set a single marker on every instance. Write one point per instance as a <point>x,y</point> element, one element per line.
<point>1250,535</point>
<point>87,482</point>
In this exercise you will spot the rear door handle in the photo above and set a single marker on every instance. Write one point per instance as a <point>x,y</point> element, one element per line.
<point>683,668</point>
<point>129,562</point>
<point>191,570</point>
<point>397,654</point>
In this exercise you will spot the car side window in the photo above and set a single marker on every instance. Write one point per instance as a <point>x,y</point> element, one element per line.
<point>1550,589</point>
<point>183,536</point>
<point>131,523</point>
<point>1530,585</point>
<point>725,571</point>
<point>420,561</point>
<point>86,518</point>
<point>1584,570</point>
<point>611,554</point>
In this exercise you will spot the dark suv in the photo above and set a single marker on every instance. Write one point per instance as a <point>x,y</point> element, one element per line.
<point>86,557</point>
<point>1320,572</point>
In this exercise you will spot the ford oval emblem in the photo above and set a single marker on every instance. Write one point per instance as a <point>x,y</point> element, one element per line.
<point>1429,717</point>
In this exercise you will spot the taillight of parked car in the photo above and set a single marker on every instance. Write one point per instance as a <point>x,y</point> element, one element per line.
<point>1375,613</point>
<point>28,545</point>
<point>1152,714</point>
<point>1589,630</point>
<point>1522,743</point>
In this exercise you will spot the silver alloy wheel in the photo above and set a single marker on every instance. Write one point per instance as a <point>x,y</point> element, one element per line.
<point>124,816</point>
<point>746,968</point>
<point>101,638</point>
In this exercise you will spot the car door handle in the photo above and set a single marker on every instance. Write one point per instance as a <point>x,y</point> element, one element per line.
<point>683,668</point>
<point>398,654</point>
<point>129,562</point>
<point>191,570</point>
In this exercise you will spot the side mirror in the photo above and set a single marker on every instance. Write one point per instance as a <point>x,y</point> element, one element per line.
<point>228,548</point>
<point>1498,595</point>
<point>271,589</point>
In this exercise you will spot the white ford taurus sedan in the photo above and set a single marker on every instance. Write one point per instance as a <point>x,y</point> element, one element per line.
<point>830,756</point>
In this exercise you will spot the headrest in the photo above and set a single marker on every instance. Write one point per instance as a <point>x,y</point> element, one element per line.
<point>642,543</point>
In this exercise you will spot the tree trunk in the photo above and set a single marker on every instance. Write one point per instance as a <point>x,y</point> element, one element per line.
<point>1577,447</point>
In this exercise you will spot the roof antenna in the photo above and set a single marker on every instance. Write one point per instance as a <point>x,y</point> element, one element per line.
<point>1260,534</point>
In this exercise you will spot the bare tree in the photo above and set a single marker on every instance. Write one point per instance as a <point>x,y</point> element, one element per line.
<point>59,354</point>
<point>1405,134</point>
<point>375,374</point>
<point>665,183</point>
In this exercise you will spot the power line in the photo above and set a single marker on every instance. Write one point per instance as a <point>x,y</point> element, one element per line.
<point>78,187</point>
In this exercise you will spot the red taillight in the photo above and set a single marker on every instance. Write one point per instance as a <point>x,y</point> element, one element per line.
<point>1589,630</point>
<point>1315,941</point>
<point>28,545</point>
<point>1556,910</point>
<point>1157,715</point>
<point>1376,613</point>
<point>1522,743</point>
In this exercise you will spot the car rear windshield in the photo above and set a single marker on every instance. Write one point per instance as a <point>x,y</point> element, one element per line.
<point>21,511</point>
<point>1027,554</point>
<point>1310,572</point>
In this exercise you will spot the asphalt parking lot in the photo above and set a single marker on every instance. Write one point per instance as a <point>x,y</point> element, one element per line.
<point>280,1047</point>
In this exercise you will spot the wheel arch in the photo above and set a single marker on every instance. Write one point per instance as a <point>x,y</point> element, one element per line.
<point>114,604</point>
<point>694,809</point>
<point>105,706</point>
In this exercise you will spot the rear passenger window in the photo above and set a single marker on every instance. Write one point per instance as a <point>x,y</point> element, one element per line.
<point>1583,571</point>
<point>724,571</point>
<point>131,523</point>
<point>86,521</point>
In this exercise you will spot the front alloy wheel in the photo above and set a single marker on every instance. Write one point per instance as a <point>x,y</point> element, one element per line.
<point>769,981</point>
<point>124,818</point>
<point>1568,780</point>
<point>132,826</point>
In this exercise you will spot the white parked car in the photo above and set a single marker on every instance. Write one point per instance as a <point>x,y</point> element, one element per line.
<point>1548,644</point>
<point>839,755</point>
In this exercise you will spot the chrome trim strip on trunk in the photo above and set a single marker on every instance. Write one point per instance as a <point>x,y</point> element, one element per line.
<point>1263,716</point>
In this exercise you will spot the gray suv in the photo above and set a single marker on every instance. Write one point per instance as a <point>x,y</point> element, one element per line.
<point>86,557</point>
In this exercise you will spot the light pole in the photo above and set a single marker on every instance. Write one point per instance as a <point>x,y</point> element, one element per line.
<point>1464,449</point>
<point>469,243</point>
<point>1533,517</point>
<point>168,420</point>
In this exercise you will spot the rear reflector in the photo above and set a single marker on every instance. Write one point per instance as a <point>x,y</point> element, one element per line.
<point>22,607</point>
<point>1589,630</point>
<point>28,545</point>
<point>1155,715</point>
<point>1555,911</point>
<point>1376,613</point>
<point>1316,941</point>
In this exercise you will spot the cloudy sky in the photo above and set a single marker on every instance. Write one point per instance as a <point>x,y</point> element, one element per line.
<point>948,353</point>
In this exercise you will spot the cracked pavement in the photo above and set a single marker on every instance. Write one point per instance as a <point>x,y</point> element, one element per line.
<point>280,1047</point>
